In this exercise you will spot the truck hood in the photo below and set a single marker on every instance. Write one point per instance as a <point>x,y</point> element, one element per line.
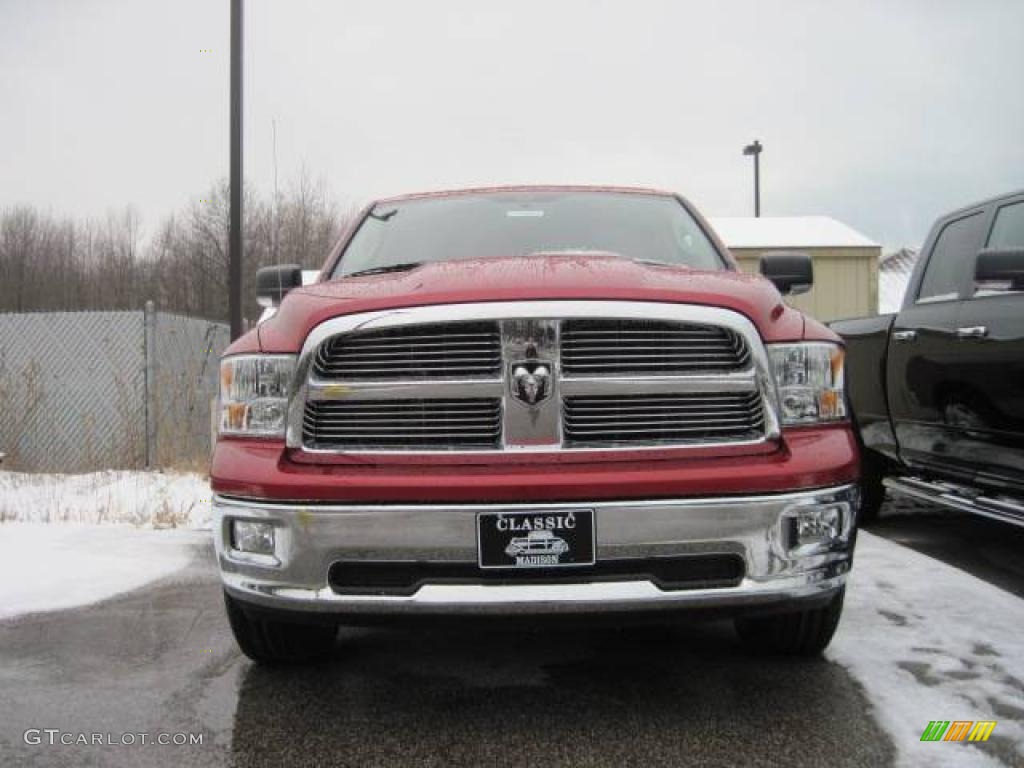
<point>534,278</point>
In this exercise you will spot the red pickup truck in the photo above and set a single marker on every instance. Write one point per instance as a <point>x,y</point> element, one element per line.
<point>533,402</point>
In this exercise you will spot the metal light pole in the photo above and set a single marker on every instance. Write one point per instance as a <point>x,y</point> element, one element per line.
<point>755,150</point>
<point>235,226</point>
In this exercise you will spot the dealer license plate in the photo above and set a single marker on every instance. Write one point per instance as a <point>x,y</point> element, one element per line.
<point>545,539</point>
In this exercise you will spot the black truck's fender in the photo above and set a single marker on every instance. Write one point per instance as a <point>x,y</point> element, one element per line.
<point>867,346</point>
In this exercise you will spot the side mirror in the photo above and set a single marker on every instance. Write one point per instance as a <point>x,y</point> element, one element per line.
<point>1000,265</point>
<point>791,272</point>
<point>272,283</point>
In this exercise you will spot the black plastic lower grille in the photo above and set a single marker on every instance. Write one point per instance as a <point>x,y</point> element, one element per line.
<point>406,577</point>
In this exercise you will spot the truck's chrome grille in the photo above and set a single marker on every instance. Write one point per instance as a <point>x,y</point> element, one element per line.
<point>412,352</point>
<point>653,419</point>
<point>623,346</point>
<point>403,424</point>
<point>533,377</point>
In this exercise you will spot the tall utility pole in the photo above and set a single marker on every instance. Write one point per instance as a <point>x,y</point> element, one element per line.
<point>235,226</point>
<point>755,150</point>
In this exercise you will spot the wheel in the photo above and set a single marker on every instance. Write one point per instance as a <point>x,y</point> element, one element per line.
<point>271,642</point>
<point>801,633</point>
<point>872,492</point>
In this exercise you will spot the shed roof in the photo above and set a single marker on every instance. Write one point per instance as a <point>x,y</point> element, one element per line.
<point>788,232</point>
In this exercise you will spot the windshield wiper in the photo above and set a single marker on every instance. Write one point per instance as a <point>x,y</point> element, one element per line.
<point>405,266</point>
<point>599,252</point>
<point>657,263</point>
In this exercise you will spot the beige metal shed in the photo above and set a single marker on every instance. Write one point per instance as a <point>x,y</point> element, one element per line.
<point>845,261</point>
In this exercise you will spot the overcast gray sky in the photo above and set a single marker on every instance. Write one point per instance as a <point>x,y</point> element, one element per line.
<point>882,114</point>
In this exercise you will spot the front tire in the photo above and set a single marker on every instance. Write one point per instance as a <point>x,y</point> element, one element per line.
<point>800,633</point>
<point>267,641</point>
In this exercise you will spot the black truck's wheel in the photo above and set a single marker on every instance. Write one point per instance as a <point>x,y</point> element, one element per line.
<point>801,633</point>
<point>270,642</point>
<point>872,492</point>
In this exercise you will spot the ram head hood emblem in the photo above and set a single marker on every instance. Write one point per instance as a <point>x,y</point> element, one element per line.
<point>531,382</point>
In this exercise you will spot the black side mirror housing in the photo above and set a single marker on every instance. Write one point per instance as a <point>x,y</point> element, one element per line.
<point>272,283</point>
<point>1003,265</point>
<point>792,272</point>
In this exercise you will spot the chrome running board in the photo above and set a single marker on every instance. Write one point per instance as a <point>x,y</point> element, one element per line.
<point>960,497</point>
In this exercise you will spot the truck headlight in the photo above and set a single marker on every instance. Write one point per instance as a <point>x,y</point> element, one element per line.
<point>254,391</point>
<point>809,377</point>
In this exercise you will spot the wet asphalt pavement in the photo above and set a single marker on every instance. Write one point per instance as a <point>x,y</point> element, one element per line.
<point>162,660</point>
<point>991,550</point>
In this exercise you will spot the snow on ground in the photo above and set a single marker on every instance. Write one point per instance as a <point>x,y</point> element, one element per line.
<point>150,499</point>
<point>930,642</point>
<point>53,567</point>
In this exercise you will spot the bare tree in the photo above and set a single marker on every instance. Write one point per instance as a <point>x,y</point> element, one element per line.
<point>50,263</point>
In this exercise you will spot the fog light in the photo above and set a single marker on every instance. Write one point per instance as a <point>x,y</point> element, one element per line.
<point>816,527</point>
<point>255,538</point>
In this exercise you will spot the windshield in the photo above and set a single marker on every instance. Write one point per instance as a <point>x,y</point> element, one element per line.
<point>469,226</point>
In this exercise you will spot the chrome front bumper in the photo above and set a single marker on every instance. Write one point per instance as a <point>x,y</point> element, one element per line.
<point>310,538</point>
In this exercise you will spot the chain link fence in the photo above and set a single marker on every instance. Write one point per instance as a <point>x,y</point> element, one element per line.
<point>94,390</point>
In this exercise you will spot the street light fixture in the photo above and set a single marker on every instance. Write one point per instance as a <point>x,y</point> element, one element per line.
<point>755,150</point>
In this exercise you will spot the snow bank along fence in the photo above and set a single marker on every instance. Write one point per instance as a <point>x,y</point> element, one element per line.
<point>94,390</point>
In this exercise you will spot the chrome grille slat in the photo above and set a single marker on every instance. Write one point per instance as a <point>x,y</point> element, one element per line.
<point>697,400</point>
<point>361,368</point>
<point>661,332</point>
<point>355,423</point>
<point>324,423</point>
<point>440,354</point>
<point>454,339</point>
<point>687,409</point>
<point>400,433</point>
<point>583,419</point>
<point>633,365</point>
<point>719,358</point>
<point>391,414</point>
<point>649,346</point>
<point>625,430</point>
<point>647,338</point>
<point>443,336</point>
<point>655,424</point>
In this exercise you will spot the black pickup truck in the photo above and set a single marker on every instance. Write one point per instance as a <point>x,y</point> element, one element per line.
<point>937,389</point>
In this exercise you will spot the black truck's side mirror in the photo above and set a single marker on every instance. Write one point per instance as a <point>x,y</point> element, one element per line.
<point>792,272</point>
<point>1000,265</point>
<point>272,283</point>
